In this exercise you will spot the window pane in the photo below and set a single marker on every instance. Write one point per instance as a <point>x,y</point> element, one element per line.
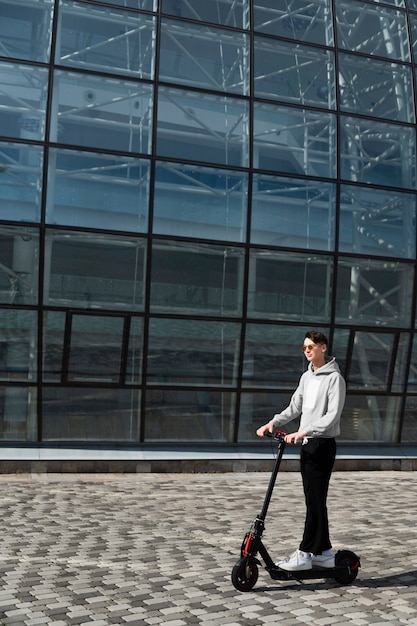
<point>370,418</point>
<point>189,415</point>
<point>377,222</point>
<point>90,414</point>
<point>372,29</point>
<point>94,271</point>
<point>409,426</point>
<point>257,408</point>
<point>374,292</point>
<point>90,36</point>
<point>23,101</point>
<point>18,417</point>
<point>95,348</point>
<point>97,191</point>
<point>401,364</point>
<point>371,361</point>
<point>296,141</point>
<point>294,73</point>
<point>25,29</point>
<point>378,153</point>
<point>377,88</point>
<point>202,127</point>
<point>18,345</point>
<point>146,5</point>
<point>53,345</point>
<point>264,365</point>
<point>196,278</point>
<point>193,352</point>
<point>21,182</point>
<point>290,286</point>
<point>134,351</point>
<point>200,202</point>
<point>19,254</point>
<point>233,13</point>
<point>200,56</point>
<point>292,212</point>
<point>298,19</point>
<point>412,380</point>
<point>101,112</point>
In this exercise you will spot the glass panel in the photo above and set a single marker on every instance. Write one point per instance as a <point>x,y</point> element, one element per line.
<point>95,348</point>
<point>263,363</point>
<point>193,352</point>
<point>374,152</point>
<point>25,29</point>
<point>374,292</point>
<point>202,127</point>
<point>200,202</point>
<point>370,418</point>
<point>290,286</point>
<point>18,418</point>
<point>146,5</point>
<point>257,408</point>
<point>197,279</point>
<point>233,13</point>
<point>189,415</point>
<point>372,29</point>
<point>412,378</point>
<point>120,42</point>
<point>409,426</point>
<point>413,28</point>
<point>53,345</point>
<point>23,101</point>
<point>90,270</point>
<point>371,361</point>
<point>401,364</point>
<point>340,350</point>
<point>101,112</point>
<point>377,222</point>
<point>19,254</point>
<point>90,414</point>
<point>376,88</point>
<point>292,212</point>
<point>296,141</point>
<point>97,191</point>
<point>298,19</point>
<point>21,182</point>
<point>200,56</point>
<point>18,345</point>
<point>294,73</point>
<point>135,352</point>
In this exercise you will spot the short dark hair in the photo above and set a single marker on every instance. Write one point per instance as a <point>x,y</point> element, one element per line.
<point>316,336</point>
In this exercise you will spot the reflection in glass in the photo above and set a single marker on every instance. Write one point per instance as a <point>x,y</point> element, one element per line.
<point>193,352</point>
<point>202,127</point>
<point>189,415</point>
<point>20,182</point>
<point>257,408</point>
<point>202,56</point>
<point>90,414</point>
<point>378,153</point>
<point>409,424</point>
<point>371,361</point>
<point>293,140</point>
<point>377,222</point>
<point>26,29</point>
<point>293,212</point>
<point>290,286</point>
<point>294,73</point>
<point>134,351</point>
<point>101,112</point>
<point>19,254</point>
<point>370,418</point>
<point>92,270</point>
<point>232,13</point>
<point>97,191</point>
<point>53,345</point>
<point>196,278</point>
<point>376,88</point>
<point>118,41</point>
<point>374,292</point>
<point>200,202</point>
<point>18,345</point>
<point>18,413</point>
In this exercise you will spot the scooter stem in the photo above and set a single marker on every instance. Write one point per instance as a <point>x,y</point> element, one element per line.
<point>278,436</point>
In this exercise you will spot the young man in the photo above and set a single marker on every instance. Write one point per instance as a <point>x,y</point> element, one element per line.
<point>319,400</point>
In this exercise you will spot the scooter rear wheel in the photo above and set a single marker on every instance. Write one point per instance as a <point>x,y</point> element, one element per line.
<point>244,575</point>
<point>348,559</point>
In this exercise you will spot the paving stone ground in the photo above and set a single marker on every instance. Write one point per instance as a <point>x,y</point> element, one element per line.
<point>144,549</point>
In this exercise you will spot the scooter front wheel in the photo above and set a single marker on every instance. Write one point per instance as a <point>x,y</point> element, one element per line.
<point>244,574</point>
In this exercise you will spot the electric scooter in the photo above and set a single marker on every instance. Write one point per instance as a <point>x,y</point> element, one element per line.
<point>245,571</point>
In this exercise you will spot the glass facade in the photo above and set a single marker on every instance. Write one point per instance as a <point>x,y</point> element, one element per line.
<point>186,188</point>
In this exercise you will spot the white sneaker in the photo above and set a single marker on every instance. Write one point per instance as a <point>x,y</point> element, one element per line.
<point>296,562</point>
<point>321,560</point>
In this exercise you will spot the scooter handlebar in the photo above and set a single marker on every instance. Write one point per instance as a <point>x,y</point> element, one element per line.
<point>277,434</point>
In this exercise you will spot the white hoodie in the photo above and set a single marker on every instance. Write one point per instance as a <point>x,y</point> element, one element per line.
<point>319,399</point>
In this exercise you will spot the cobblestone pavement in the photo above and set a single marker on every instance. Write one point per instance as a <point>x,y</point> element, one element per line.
<point>159,549</point>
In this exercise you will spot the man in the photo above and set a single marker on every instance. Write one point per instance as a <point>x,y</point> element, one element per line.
<point>319,400</point>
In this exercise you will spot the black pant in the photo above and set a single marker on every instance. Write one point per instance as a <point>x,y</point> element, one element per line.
<point>316,460</point>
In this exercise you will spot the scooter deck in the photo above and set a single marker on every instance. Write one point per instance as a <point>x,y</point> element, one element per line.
<point>277,573</point>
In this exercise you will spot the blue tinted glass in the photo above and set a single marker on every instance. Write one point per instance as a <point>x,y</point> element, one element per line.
<point>234,13</point>
<point>97,191</point>
<point>26,29</point>
<point>19,354</point>
<point>19,259</point>
<point>21,182</point>
<point>200,202</point>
